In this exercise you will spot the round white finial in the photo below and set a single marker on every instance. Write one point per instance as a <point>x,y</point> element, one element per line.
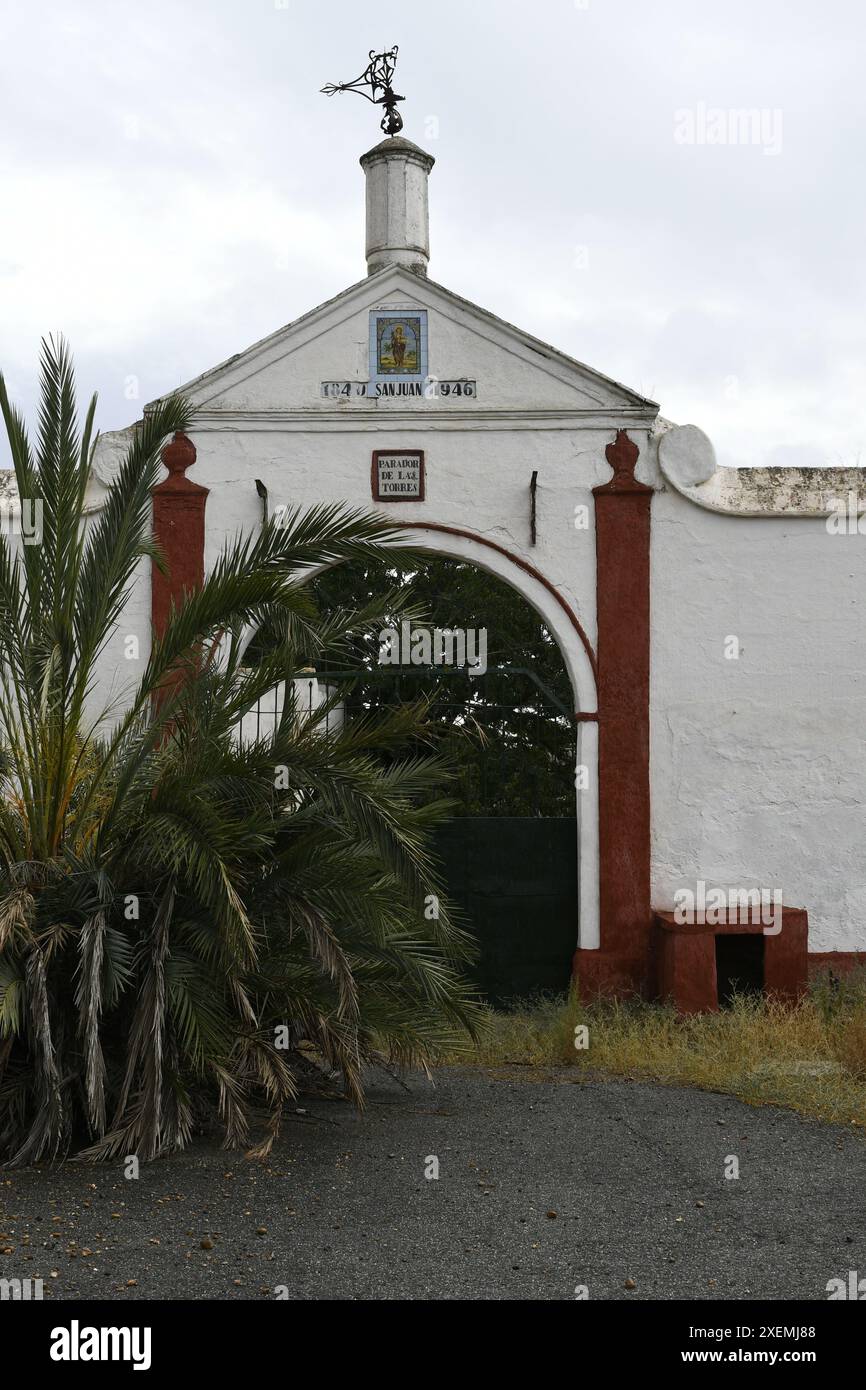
<point>687,456</point>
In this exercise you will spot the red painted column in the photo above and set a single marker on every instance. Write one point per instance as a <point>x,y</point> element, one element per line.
<point>178,529</point>
<point>622,526</point>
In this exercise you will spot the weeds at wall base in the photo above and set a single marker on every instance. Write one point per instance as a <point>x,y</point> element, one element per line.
<point>810,1057</point>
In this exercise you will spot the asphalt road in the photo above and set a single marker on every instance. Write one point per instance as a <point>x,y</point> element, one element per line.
<point>546,1184</point>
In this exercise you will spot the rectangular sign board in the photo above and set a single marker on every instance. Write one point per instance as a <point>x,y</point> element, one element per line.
<point>398,475</point>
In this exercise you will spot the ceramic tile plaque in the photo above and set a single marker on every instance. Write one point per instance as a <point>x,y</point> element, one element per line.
<point>398,364</point>
<point>398,475</point>
<point>398,345</point>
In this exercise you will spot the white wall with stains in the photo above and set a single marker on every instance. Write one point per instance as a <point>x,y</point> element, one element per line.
<point>758,760</point>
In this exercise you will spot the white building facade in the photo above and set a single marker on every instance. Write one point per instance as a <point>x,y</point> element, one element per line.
<point>712,622</point>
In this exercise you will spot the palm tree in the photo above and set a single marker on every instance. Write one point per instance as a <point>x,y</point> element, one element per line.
<point>185,914</point>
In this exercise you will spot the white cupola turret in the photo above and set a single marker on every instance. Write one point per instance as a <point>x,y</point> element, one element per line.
<point>398,220</point>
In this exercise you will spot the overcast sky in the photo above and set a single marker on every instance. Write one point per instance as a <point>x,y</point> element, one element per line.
<point>174,188</point>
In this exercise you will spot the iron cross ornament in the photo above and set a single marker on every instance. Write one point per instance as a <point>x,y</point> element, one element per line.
<point>377,76</point>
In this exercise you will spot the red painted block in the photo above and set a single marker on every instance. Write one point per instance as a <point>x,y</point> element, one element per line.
<point>685,958</point>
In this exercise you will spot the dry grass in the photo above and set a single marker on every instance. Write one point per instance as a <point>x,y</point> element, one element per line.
<point>810,1058</point>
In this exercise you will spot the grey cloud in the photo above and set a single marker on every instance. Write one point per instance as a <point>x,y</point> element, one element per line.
<point>175,187</point>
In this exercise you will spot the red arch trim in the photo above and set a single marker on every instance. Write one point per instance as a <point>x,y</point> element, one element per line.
<point>528,569</point>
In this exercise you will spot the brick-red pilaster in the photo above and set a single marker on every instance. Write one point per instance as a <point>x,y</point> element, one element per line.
<point>622,527</point>
<point>178,528</point>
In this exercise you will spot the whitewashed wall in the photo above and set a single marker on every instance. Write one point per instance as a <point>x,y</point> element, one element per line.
<point>757,771</point>
<point>125,655</point>
<point>757,764</point>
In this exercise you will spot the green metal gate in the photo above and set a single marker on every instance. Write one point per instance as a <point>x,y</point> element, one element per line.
<point>515,879</point>
<point>513,876</point>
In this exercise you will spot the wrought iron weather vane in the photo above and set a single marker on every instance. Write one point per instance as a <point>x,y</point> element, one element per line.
<point>377,76</point>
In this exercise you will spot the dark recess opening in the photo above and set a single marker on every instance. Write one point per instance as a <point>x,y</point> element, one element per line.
<point>739,966</point>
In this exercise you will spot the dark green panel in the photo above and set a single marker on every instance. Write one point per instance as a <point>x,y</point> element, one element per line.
<point>515,878</point>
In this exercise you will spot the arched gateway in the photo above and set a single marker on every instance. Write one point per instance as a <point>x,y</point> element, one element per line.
<point>493,447</point>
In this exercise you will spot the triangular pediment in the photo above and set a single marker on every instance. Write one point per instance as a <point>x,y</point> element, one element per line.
<point>513,372</point>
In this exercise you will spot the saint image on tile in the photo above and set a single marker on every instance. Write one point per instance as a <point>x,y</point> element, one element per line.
<point>398,346</point>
